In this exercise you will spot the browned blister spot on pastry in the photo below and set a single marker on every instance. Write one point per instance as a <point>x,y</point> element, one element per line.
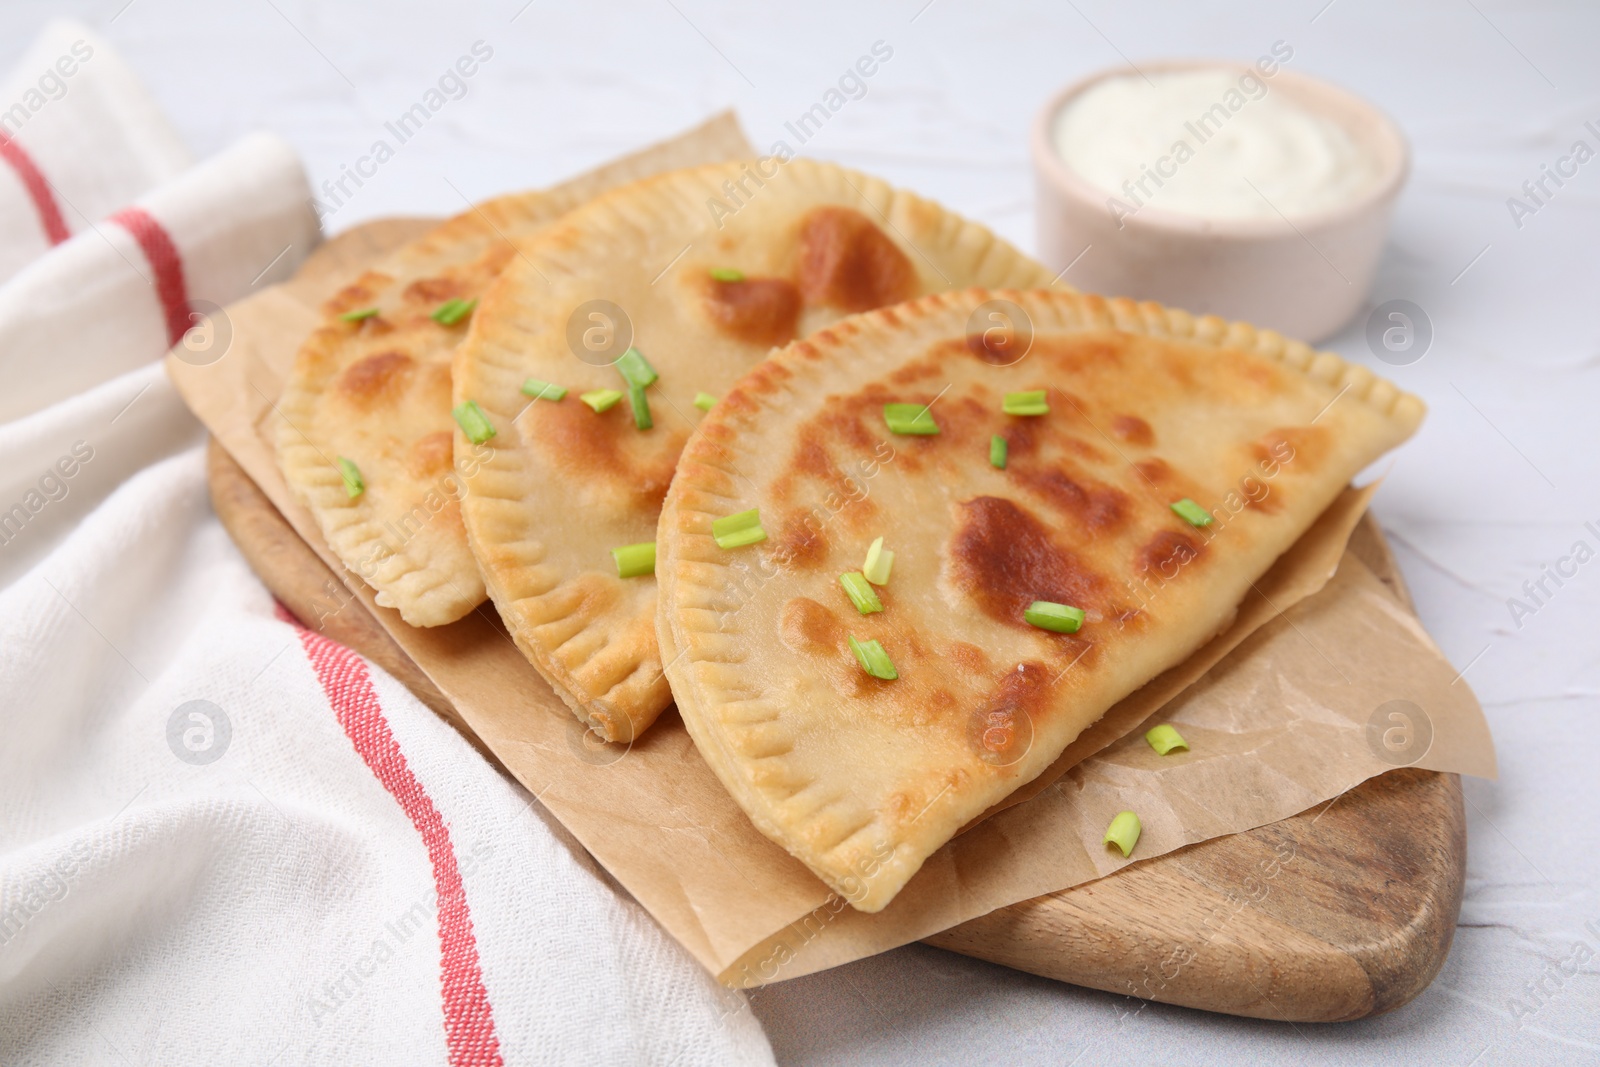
<point>906,806</point>
<point>916,370</point>
<point>1260,490</point>
<point>433,385</point>
<point>848,263</point>
<point>967,657</point>
<point>801,540</point>
<point>813,461</point>
<point>1167,552</point>
<point>436,290</point>
<point>998,345</point>
<point>1022,438</point>
<point>852,422</point>
<point>811,455</point>
<point>358,295</point>
<point>1099,507</point>
<point>1133,430</point>
<point>1082,448</point>
<point>1003,559</point>
<point>587,593</point>
<point>1131,619</point>
<point>651,481</point>
<point>380,377</point>
<point>844,425</point>
<point>1299,448</point>
<point>1001,729</point>
<point>431,455</point>
<point>584,443</point>
<point>494,260</point>
<point>1153,470</point>
<point>808,626</point>
<point>1082,352</point>
<point>762,311</point>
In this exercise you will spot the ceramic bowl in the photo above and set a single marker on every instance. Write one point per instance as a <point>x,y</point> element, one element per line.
<point>1302,275</point>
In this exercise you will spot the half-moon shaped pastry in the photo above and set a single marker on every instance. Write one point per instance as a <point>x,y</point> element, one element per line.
<point>1064,527</point>
<point>682,282</point>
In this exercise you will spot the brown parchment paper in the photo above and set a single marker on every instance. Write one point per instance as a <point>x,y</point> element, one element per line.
<point>1275,709</point>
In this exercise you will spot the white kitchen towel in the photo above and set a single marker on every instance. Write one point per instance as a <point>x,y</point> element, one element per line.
<point>224,839</point>
<point>104,300</point>
<point>79,138</point>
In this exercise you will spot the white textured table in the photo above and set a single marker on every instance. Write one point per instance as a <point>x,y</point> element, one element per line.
<point>1500,482</point>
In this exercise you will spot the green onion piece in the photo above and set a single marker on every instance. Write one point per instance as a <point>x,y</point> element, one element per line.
<point>997,452</point>
<point>453,311</point>
<point>704,401</point>
<point>1164,739</point>
<point>1029,403</point>
<point>357,316</point>
<point>601,399</point>
<point>540,389</point>
<point>738,530</point>
<point>473,422</point>
<point>873,659</point>
<point>879,562</point>
<point>913,419</point>
<point>1058,617</point>
<point>860,592</point>
<point>1123,832</point>
<point>641,407</point>
<point>1192,513</point>
<point>635,560</point>
<point>353,485</point>
<point>726,274</point>
<point>636,370</point>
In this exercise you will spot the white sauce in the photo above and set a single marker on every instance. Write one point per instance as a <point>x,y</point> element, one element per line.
<point>1195,141</point>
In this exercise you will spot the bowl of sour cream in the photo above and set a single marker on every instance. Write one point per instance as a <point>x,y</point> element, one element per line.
<point>1248,191</point>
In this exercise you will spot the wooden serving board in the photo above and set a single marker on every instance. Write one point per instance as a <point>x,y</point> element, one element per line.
<point>1337,913</point>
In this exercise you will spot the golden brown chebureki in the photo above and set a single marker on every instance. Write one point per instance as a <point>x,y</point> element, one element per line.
<point>375,390</point>
<point>704,294</point>
<point>862,778</point>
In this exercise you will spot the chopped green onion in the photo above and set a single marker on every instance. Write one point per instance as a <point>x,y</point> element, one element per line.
<point>635,369</point>
<point>726,274</point>
<point>601,399</point>
<point>353,485</point>
<point>540,389</point>
<point>357,316</point>
<point>1164,739</point>
<point>997,452</point>
<point>913,419</point>
<point>1058,617</point>
<point>473,422</point>
<point>704,401</point>
<point>873,659</point>
<point>635,560</point>
<point>860,592</point>
<point>1029,403</point>
<point>1192,513</point>
<point>738,530</point>
<point>641,407</point>
<point>1123,832</point>
<point>453,311</point>
<point>879,562</point>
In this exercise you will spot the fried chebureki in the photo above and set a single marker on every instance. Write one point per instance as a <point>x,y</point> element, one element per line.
<point>363,428</point>
<point>1152,466</point>
<point>590,351</point>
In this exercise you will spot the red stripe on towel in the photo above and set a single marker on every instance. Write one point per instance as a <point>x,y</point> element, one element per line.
<point>39,191</point>
<point>164,260</point>
<point>468,1018</point>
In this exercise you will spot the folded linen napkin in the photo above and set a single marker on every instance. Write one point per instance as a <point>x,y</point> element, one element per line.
<point>79,138</point>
